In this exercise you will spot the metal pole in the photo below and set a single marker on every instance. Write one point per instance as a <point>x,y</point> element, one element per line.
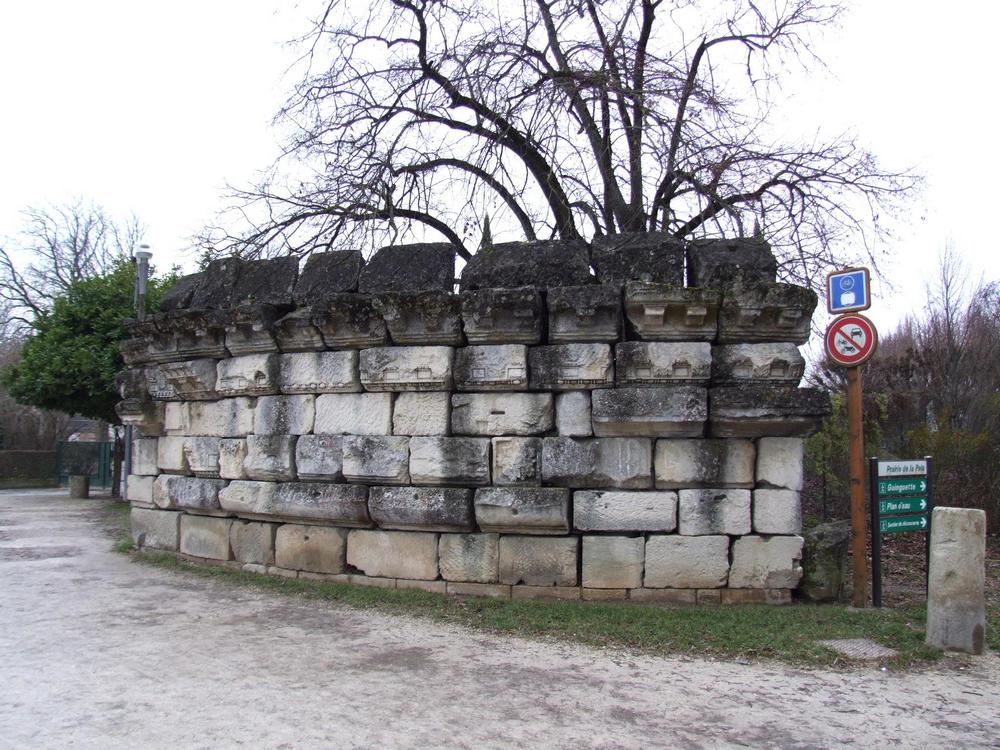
<point>857,461</point>
<point>876,534</point>
<point>930,522</point>
<point>142,256</point>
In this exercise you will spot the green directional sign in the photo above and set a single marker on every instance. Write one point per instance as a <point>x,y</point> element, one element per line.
<point>902,505</point>
<point>890,487</point>
<point>897,524</point>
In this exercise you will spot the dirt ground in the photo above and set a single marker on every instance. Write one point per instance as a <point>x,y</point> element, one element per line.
<point>99,652</point>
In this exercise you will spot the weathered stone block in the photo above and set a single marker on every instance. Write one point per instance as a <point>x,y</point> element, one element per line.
<point>202,455</point>
<point>217,285</point>
<point>157,384</point>
<point>573,410</point>
<point>655,411</point>
<point>488,590</point>
<point>428,317</point>
<point>327,273</point>
<point>229,418</point>
<point>181,292</point>
<point>539,264</point>
<point>353,413</point>
<point>252,542</point>
<point>502,316</point>
<point>206,537</point>
<point>761,562</point>
<point>766,411</point>
<point>501,413</point>
<point>777,512</point>
<point>685,464</point>
<point>539,561</point>
<point>177,418</point>
<point>663,362</point>
<point>317,549</point>
<point>340,504</point>
<point>686,562</point>
<point>377,459</point>
<point>250,329</point>
<point>319,372</point>
<point>766,312</point>
<point>349,321</point>
<point>638,256</point>
<point>517,461</point>
<point>524,510</point>
<point>145,416</point>
<point>584,313</point>
<point>624,511</point>
<point>778,363</point>
<point>422,413</point>
<point>250,375</point>
<point>284,415</point>
<point>717,511</point>
<point>716,264</point>
<point>422,508</point>
<point>249,498</point>
<point>956,610</point>
<point>570,367</point>
<point>779,463</point>
<point>824,561</point>
<point>410,268</point>
<point>232,453</point>
<point>394,554</point>
<point>187,492</point>
<point>407,368</point>
<point>624,463</point>
<point>270,281</point>
<point>193,380</point>
<point>156,529</point>
<point>662,312</point>
<point>449,460</point>
<point>319,458</point>
<point>198,333</point>
<point>170,455</point>
<point>297,331</point>
<point>270,457</point>
<point>473,558</point>
<point>612,562</point>
<point>501,367</point>
<point>139,490</point>
<point>145,456</point>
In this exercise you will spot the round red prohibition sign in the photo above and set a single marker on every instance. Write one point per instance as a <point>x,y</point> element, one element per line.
<point>850,340</point>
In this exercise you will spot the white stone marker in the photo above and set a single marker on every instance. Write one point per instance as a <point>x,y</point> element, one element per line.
<point>956,608</point>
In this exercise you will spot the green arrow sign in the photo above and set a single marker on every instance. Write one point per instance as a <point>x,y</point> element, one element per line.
<point>902,486</point>
<point>902,523</point>
<point>902,505</point>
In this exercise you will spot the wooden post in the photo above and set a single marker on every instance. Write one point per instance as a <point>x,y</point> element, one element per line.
<point>855,430</point>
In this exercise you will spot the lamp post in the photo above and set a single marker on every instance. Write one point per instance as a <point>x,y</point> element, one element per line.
<point>142,256</point>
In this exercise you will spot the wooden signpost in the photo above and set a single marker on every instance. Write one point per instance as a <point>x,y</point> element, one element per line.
<point>851,339</point>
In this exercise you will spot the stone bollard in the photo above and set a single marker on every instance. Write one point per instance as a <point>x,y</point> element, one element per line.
<point>79,486</point>
<point>956,608</point>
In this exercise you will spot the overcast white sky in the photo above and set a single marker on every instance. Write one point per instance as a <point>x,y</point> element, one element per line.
<point>152,108</point>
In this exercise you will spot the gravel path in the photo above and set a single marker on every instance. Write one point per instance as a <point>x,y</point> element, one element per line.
<point>99,652</point>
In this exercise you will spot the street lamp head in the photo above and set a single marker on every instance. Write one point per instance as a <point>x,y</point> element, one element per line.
<point>143,253</point>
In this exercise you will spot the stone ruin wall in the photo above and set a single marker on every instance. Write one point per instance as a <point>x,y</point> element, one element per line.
<point>575,423</point>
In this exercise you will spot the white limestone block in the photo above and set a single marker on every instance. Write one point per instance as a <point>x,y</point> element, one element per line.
<point>612,562</point>
<point>176,418</point>
<point>449,460</point>
<point>252,542</point>
<point>956,587</point>
<point>315,549</point>
<point>501,413</point>
<point>573,414</point>
<point>206,537</point>
<point>422,413</point>
<point>624,511</point>
<point>284,415</point>
<point>663,363</point>
<point>270,457</point>
<point>394,554</point>
<point>232,453</point>
<point>686,562</point>
<point>202,455</point>
<point>320,372</point>
<point>571,367</point>
<point>779,462</point>
<point>170,456</point>
<point>249,375</point>
<point>192,380</point>
<point>145,456</point>
<point>319,458</point>
<point>156,529</point>
<point>376,459</point>
<point>539,560</point>
<point>714,511</point>
<point>193,493</point>
<point>777,512</point>
<point>704,462</point>
<point>598,463</point>
<point>139,490</point>
<point>353,414</point>
<point>498,367</point>
<point>406,368</point>
<point>517,461</point>
<point>474,558</point>
<point>766,562</point>
<point>228,418</point>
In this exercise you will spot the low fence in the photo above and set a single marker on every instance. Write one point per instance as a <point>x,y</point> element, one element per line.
<point>28,469</point>
<point>90,459</point>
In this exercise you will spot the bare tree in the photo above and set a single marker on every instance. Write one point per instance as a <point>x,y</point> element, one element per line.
<point>560,118</point>
<point>56,246</point>
<point>25,427</point>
